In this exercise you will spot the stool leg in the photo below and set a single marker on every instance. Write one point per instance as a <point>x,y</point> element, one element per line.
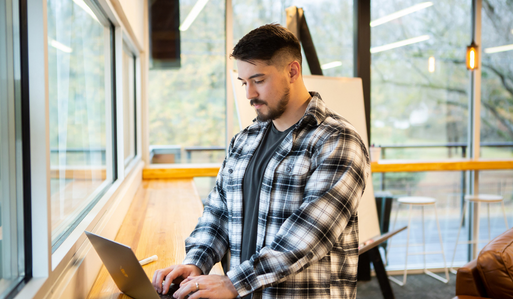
<point>477,220</point>
<point>393,229</point>
<point>446,280</point>
<point>489,230</point>
<point>423,239</point>
<point>458,236</point>
<point>504,212</point>
<point>393,279</point>
<point>407,247</point>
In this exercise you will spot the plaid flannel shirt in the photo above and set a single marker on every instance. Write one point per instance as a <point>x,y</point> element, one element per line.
<point>307,244</point>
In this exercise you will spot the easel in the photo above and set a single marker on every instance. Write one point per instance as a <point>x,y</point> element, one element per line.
<point>368,253</point>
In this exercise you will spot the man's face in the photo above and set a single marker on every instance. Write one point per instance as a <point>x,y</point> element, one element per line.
<point>267,88</point>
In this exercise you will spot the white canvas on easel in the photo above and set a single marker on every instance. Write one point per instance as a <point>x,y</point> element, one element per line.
<point>345,96</point>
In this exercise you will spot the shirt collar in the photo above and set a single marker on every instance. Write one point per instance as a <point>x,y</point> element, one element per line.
<point>316,110</point>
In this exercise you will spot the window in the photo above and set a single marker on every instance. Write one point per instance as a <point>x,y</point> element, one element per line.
<point>128,104</point>
<point>419,79</point>
<point>80,91</point>
<point>497,80</point>
<point>419,99</point>
<point>12,255</point>
<point>187,103</point>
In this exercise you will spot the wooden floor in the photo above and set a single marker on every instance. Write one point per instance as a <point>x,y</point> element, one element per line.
<point>162,215</point>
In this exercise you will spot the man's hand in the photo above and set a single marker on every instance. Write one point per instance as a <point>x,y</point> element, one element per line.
<point>206,286</point>
<point>175,272</point>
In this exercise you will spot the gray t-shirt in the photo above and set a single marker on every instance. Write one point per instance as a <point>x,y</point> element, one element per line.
<point>251,188</point>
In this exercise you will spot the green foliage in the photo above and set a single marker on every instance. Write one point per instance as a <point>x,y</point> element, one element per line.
<point>187,105</point>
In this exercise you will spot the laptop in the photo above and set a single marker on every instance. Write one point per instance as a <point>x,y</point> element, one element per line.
<point>125,270</point>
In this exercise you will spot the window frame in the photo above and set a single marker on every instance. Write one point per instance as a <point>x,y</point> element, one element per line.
<point>111,130</point>
<point>130,46</point>
<point>21,151</point>
<point>45,269</point>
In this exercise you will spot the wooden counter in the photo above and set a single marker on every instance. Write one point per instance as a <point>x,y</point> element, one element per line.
<point>168,171</point>
<point>161,216</point>
<point>448,165</point>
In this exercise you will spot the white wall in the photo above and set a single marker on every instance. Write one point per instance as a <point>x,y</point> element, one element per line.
<point>134,12</point>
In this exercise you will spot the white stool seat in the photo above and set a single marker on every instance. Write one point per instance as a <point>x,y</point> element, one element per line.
<point>484,198</point>
<point>417,200</point>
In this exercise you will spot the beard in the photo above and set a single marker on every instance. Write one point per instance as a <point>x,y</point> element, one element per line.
<point>273,113</point>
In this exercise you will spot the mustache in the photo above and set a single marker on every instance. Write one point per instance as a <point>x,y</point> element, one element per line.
<point>257,102</point>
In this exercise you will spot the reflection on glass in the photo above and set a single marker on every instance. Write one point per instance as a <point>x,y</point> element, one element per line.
<point>80,101</point>
<point>128,104</point>
<point>497,80</point>
<point>12,255</point>
<point>187,104</point>
<point>330,23</point>
<point>417,102</point>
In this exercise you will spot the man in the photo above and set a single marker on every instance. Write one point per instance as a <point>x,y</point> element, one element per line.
<point>285,200</point>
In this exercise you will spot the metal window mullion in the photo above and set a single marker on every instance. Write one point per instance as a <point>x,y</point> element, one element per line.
<point>475,120</point>
<point>40,136</point>
<point>362,55</point>
<point>25,142</point>
<point>228,12</point>
<point>138,106</point>
<point>119,100</point>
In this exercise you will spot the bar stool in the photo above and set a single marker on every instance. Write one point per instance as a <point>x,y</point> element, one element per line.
<point>419,201</point>
<point>478,198</point>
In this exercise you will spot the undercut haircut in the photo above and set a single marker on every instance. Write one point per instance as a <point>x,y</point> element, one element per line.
<point>271,43</point>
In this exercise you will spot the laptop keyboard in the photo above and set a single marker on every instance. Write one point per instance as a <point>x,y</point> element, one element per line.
<point>172,289</point>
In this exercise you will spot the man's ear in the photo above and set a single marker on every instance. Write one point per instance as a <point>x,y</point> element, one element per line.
<point>294,71</point>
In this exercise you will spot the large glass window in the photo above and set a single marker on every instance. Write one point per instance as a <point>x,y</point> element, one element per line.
<point>187,103</point>
<point>128,104</point>
<point>330,23</point>
<point>419,79</point>
<point>419,100</point>
<point>12,256</point>
<point>79,63</point>
<point>497,80</point>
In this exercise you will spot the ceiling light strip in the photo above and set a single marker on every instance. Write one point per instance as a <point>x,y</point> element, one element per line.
<point>400,44</point>
<point>498,49</point>
<point>331,65</point>
<point>400,13</point>
<point>195,11</point>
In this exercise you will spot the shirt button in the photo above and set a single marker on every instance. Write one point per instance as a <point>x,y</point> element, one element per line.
<point>289,169</point>
<point>246,285</point>
<point>230,170</point>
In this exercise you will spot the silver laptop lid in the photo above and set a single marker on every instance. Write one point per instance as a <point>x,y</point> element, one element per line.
<point>124,267</point>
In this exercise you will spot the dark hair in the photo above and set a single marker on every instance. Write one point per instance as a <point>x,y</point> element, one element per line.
<point>263,43</point>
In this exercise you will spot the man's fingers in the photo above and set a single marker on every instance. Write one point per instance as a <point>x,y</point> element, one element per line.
<point>184,290</point>
<point>157,280</point>
<point>167,283</point>
<point>186,280</point>
<point>200,294</point>
<point>158,277</point>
